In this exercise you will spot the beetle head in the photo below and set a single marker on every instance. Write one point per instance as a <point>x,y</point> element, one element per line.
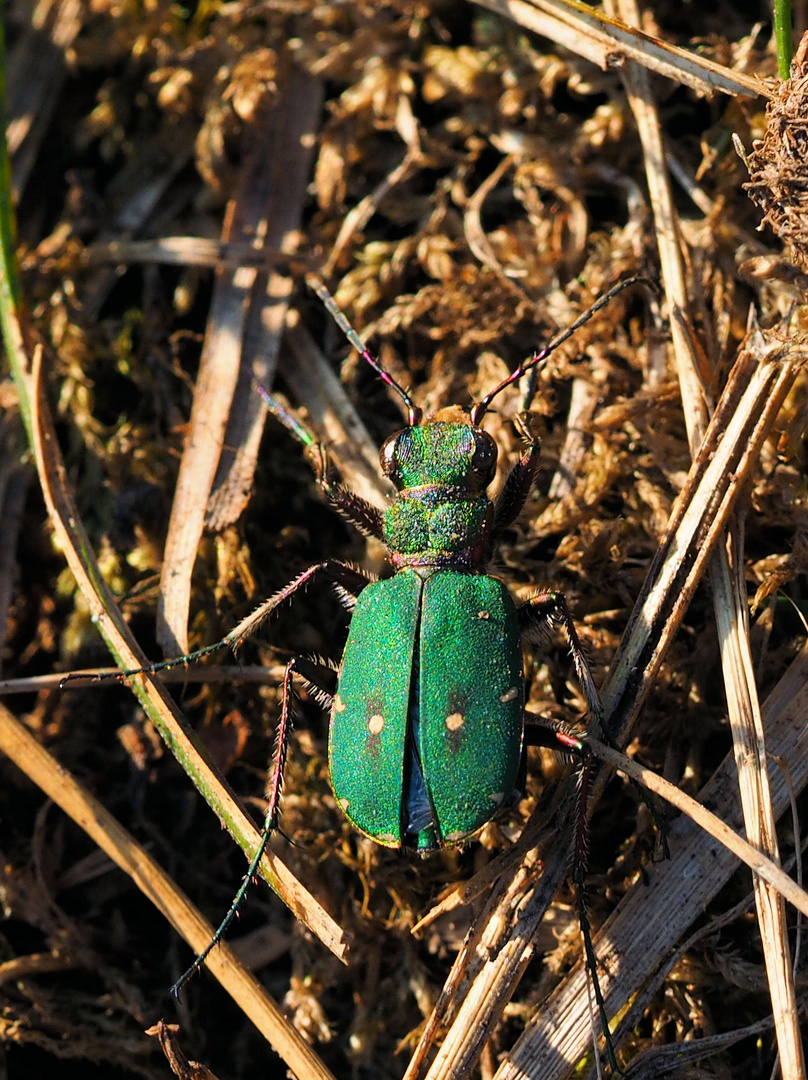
<point>444,451</point>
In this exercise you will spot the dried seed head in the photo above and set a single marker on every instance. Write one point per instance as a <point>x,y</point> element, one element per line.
<point>778,165</point>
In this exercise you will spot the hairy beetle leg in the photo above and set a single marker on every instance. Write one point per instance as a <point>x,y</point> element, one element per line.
<point>518,485</point>
<point>541,731</point>
<point>579,870</point>
<point>310,671</point>
<point>364,515</point>
<point>537,617</point>
<point>348,581</point>
<point>346,578</point>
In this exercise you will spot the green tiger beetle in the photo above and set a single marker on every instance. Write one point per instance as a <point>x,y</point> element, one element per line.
<point>428,719</point>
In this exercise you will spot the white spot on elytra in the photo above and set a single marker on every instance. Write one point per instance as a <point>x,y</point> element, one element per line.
<point>509,695</point>
<point>455,721</point>
<point>483,615</point>
<point>375,724</point>
<point>497,797</point>
<point>339,704</point>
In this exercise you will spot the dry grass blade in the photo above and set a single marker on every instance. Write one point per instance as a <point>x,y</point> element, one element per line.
<point>582,408</point>
<point>668,239</point>
<point>291,150</point>
<point>195,251</point>
<point>745,413</point>
<point>494,956</point>
<point>111,838</point>
<point>751,758</point>
<point>729,589</point>
<point>657,912</point>
<point>671,1060</point>
<point>242,341</point>
<point>769,871</point>
<point>606,42</point>
<point>183,1069</point>
<point>210,673</point>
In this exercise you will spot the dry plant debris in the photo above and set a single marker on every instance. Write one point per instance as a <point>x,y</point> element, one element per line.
<point>777,166</point>
<point>468,188</point>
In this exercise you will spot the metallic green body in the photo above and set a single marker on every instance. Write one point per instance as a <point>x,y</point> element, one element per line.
<point>441,515</point>
<point>432,673</point>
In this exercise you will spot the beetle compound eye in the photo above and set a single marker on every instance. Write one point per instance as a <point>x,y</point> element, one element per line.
<point>387,455</point>
<point>484,459</point>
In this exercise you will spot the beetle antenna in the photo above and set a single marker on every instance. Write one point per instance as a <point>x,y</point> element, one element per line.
<point>278,409</point>
<point>479,409</point>
<point>315,283</point>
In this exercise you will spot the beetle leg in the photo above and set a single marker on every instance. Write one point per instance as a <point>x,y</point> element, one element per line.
<point>542,731</point>
<point>312,672</point>
<point>517,487</point>
<point>319,678</point>
<point>580,856</point>
<point>364,515</point>
<point>537,617</point>
<point>346,579</point>
<point>278,764</point>
<point>270,824</point>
